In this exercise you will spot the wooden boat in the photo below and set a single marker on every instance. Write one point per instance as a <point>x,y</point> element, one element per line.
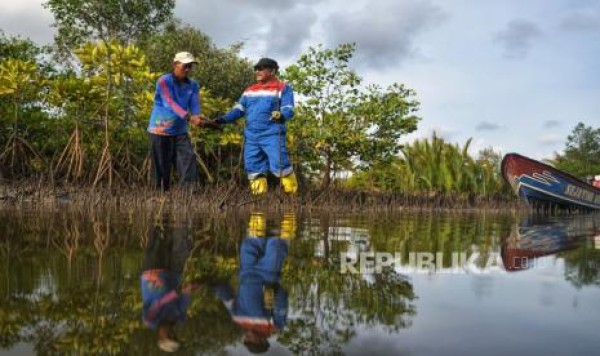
<point>540,184</point>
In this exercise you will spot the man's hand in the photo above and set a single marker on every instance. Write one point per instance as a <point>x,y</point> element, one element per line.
<point>276,116</point>
<point>215,124</point>
<point>197,120</point>
<point>203,121</point>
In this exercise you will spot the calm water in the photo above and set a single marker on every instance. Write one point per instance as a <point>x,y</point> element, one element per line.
<point>298,283</point>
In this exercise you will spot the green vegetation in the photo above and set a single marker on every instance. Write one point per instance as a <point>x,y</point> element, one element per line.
<point>339,123</point>
<point>434,166</point>
<point>76,113</point>
<point>86,124</point>
<point>128,22</point>
<point>582,152</point>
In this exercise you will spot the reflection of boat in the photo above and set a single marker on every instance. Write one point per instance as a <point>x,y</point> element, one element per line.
<point>540,183</point>
<point>532,239</point>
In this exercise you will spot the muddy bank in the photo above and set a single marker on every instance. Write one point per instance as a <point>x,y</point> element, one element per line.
<point>225,197</point>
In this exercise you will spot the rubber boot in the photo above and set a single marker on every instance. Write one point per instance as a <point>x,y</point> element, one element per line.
<point>288,226</point>
<point>290,183</point>
<point>258,186</point>
<point>257,226</point>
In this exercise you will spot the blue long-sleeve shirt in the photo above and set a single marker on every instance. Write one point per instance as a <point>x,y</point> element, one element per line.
<point>161,301</point>
<point>257,102</point>
<point>172,102</point>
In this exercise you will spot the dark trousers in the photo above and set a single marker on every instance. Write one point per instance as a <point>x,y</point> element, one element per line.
<point>169,151</point>
<point>168,248</point>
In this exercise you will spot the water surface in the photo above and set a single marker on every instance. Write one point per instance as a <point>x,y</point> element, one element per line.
<point>457,284</point>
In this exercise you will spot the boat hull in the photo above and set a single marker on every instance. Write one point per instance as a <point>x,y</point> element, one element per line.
<point>540,184</point>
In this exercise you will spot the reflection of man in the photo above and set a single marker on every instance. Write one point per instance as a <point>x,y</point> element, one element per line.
<point>165,300</point>
<point>261,304</point>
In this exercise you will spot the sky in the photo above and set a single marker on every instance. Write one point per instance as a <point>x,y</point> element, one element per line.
<point>514,75</point>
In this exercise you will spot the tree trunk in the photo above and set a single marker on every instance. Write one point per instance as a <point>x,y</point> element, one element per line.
<point>299,171</point>
<point>327,172</point>
<point>325,223</point>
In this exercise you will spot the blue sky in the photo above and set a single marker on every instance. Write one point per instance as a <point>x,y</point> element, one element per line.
<point>514,75</point>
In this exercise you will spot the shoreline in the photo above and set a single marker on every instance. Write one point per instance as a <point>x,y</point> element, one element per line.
<point>230,197</point>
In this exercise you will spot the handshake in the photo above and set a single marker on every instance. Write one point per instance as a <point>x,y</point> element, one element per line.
<point>215,124</point>
<point>202,121</point>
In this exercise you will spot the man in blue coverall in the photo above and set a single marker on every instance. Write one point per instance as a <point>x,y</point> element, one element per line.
<point>176,102</point>
<point>267,105</point>
<point>261,304</point>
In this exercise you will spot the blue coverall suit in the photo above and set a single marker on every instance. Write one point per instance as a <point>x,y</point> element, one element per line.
<point>261,261</point>
<point>265,146</point>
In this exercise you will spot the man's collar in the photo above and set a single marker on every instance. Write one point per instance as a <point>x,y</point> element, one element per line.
<point>271,81</point>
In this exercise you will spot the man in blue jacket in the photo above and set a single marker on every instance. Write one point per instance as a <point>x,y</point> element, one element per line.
<point>267,106</point>
<point>260,307</point>
<point>165,299</point>
<point>176,102</point>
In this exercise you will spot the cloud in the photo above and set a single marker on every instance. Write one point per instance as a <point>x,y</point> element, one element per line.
<point>27,18</point>
<point>581,23</point>
<point>261,6</point>
<point>288,32</point>
<point>487,126</point>
<point>275,28</point>
<point>447,133</point>
<point>549,124</point>
<point>225,22</point>
<point>517,39</point>
<point>551,139</point>
<point>384,32</point>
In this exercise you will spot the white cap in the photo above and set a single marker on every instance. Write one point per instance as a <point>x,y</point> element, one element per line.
<point>185,58</point>
<point>597,177</point>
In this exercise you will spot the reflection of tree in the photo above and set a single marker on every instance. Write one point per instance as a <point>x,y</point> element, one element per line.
<point>89,314</point>
<point>88,320</point>
<point>18,278</point>
<point>208,333</point>
<point>57,300</point>
<point>12,321</point>
<point>69,282</point>
<point>582,266</point>
<point>329,308</point>
<point>436,233</point>
<point>66,287</point>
